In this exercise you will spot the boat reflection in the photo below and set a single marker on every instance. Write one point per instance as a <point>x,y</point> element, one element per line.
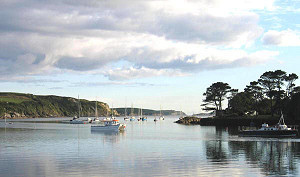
<point>272,156</point>
<point>110,136</point>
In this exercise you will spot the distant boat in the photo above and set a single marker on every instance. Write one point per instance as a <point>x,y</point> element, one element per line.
<point>161,117</point>
<point>132,118</point>
<point>76,120</point>
<point>279,130</point>
<point>143,118</point>
<point>125,114</point>
<point>96,120</point>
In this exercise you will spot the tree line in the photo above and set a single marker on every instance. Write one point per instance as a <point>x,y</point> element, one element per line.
<point>274,92</point>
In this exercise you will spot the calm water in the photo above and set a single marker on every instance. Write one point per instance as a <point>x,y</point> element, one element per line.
<point>38,148</point>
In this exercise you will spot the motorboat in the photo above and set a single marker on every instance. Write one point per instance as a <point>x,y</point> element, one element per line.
<point>76,120</point>
<point>109,125</point>
<point>278,130</point>
<point>126,118</point>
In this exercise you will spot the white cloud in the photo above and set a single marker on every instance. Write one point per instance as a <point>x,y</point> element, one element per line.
<point>132,73</point>
<point>170,38</point>
<point>282,38</point>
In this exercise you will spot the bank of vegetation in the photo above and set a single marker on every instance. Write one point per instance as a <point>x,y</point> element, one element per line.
<point>263,100</point>
<point>19,105</point>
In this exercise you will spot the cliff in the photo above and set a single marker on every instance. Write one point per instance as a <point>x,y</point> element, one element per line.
<point>20,105</point>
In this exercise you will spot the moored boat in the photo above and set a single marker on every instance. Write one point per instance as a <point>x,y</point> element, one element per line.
<point>109,125</point>
<point>76,120</point>
<point>279,130</point>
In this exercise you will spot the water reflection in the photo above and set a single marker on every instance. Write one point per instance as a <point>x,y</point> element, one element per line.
<point>272,156</point>
<point>109,136</point>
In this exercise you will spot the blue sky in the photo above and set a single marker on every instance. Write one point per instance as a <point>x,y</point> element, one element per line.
<point>149,53</point>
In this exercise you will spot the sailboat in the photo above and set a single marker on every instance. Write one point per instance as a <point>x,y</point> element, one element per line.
<point>161,117</point>
<point>76,120</point>
<point>110,124</point>
<point>143,118</point>
<point>96,119</point>
<point>126,118</point>
<point>132,118</point>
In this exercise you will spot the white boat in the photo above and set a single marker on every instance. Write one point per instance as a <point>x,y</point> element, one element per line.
<point>76,119</point>
<point>126,118</point>
<point>96,120</point>
<point>279,130</point>
<point>161,117</point>
<point>109,125</point>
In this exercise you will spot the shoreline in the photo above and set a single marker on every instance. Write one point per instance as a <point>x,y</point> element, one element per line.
<point>231,121</point>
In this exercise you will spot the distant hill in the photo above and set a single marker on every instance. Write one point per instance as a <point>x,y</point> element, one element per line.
<point>149,112</point>
<point>20,105</point>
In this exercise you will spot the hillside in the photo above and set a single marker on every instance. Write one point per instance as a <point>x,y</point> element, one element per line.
<point>19,105</point>
<point>149,112</point>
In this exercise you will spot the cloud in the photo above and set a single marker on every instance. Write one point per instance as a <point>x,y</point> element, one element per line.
<point>113,83</point>
<point>191,64</point>
<point>132,73</point>
<point>165,38</point>
<point>26,79</point>
<point>282,38</point>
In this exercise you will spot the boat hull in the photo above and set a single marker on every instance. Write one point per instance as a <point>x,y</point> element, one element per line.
<point>105,128</point>
<point>269,133</point>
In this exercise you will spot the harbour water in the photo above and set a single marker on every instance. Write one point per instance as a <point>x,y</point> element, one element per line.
<point>45,147</point>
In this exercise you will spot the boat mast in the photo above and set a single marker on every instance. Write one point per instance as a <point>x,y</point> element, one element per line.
<point>96,110</point>
<point>78,107</point>
<point>112,111</point>
<point>160,111</point>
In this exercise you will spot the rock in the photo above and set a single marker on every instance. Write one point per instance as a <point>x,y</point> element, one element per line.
<point>189,120</point>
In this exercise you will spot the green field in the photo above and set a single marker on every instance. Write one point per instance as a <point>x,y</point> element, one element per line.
<point>13,100</point>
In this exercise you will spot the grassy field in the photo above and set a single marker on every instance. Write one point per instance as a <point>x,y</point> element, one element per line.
<point>13,99</point>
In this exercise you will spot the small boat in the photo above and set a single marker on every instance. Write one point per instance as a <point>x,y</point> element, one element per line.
<point>126,118</point>
<point>132,118</point>
<point>109,125</point>
<point>76,120</point>
<point>161,117</point>
<point>279,130</point>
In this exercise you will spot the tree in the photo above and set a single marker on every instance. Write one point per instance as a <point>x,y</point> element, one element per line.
<point>241,103</point>
<point>256,92</point>
<point>215,94</point>
<point>290,79</point>
<point>270,81</point>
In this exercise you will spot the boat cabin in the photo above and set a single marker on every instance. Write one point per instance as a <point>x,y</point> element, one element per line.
<point>111,122</point>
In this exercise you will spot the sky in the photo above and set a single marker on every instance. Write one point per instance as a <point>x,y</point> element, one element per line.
<point>146,53</point>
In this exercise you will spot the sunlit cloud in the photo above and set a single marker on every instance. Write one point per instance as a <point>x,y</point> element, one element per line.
<point>158,38</point>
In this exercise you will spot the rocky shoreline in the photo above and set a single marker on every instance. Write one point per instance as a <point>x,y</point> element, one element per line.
<point>231,121</point>
<point>189,120</point>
